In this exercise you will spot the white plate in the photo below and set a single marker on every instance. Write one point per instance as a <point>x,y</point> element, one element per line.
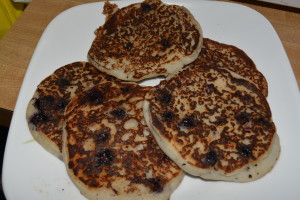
<point>30,172</point>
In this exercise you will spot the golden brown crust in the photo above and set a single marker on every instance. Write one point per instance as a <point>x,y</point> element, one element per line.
<point>230,57</point>
<point>145,40</point>
<point>215,119</point>
<point>54,93</point>
<point>107,141</point>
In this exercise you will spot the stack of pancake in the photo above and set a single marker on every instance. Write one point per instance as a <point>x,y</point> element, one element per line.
<point>119,140</point>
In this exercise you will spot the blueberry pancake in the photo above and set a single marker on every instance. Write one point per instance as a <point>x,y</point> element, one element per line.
<point>45,110</point>
<point>230,57</point>
<point>108,149</point>
<point>214,124</point>
<point>145,40</point>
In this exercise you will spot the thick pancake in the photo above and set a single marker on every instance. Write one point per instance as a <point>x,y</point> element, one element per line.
<point>214,124</point>
<point>145,40</point>
<point>108,149</point>
<point>230,57</point>
<point>45,110</point>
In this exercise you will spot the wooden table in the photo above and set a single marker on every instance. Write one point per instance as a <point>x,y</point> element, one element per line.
<point>17,47</point>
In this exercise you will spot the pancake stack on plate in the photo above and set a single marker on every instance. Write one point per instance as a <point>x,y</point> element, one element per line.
<point>108,149</point>
<point>209,118</point>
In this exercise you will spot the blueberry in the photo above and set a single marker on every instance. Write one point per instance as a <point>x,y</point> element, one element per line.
<point>38,118</point>
<point>168,116</point>
<point>243,117</point>
<point>104,157</point>
<point>188,122</point>
<point>245,152</point>
<point>63,82</point>
<point>145,7</point>
<point>94,96</point>
<point>211,158</point>
<point>118,113</point>
<point>102,136</point>
<point>155,184</point>
<point>165,97</point>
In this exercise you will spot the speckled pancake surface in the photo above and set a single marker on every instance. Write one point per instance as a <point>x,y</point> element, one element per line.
<point>45,110</point>
<point>230,57</point>
<point>108,149</point>
<point>145,40</point>
<point>214,124</point>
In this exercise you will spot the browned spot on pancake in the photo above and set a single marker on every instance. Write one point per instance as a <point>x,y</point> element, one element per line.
<point>62,82</point>
<point>243,117</point>
<point>155,184</point>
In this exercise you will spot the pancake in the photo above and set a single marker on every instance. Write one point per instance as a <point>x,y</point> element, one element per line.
<point>214,124</point>
<point>145,40</point>
<point>232,58</point>
<point>45,110</point>
<point>108,149</point>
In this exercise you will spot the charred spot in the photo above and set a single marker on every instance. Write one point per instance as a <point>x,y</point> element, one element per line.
<point>91,170</point>
<point>243,117</point>
<point>245,83</point>
<point>155,184</point>
<point>128,46</point>
<point>89,182</point>
<point>125,89</point>
<point>156,122</point>
<point>93,183</point>
<point>168,116</point>
<point>263,122</point>
<point>245,151</point>
<point>71,164</point>
<point>165,97</point>
<point>244,97</point>
<point>94,96</point>
<point>118,113</point>
<point>115,191</point>
<point>61,103</point>
<point>188,122</point>
<point>145,7</point>
<point>165,158</point>
<point>164,43</point>
<point>102,136</point>
<point>38,118</point>
<point>62,82</point>
<point>47,99</point>
<point>221,121</point>
<point>211,158</point>
<point>104,157</point>
<point>44,102</point>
